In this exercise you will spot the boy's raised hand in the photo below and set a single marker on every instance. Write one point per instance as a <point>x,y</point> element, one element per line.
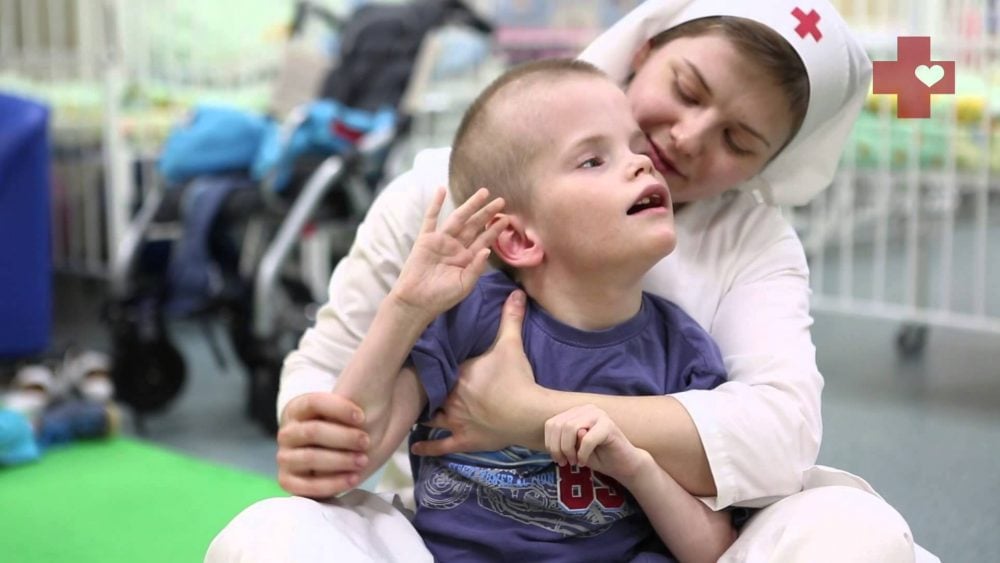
<point>445,263</point>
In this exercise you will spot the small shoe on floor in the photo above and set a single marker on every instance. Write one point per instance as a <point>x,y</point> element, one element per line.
<point>89,373</point>
<point>31,391</point>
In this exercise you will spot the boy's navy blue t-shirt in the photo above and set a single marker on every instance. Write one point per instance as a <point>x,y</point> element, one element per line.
<point>516,504</point>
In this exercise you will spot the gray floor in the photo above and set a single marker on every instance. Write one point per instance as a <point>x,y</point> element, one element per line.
<point>925,432</point>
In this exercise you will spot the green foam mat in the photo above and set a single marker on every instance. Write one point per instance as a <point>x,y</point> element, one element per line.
<point>119,500</point>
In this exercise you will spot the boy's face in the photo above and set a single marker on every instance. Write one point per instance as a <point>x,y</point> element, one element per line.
<point>596,199</point>
<point>713,118</point>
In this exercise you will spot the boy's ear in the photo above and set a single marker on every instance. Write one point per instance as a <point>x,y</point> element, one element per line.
<point>517,245</point>
<point>640,56</point>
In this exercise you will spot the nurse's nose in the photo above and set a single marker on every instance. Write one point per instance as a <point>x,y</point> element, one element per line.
<point>688,134</point>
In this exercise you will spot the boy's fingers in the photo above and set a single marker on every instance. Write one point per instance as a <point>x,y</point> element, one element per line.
<point>478,266</point>
<point>567,442</point>
<point>552,431</point>
<point>429,224</point>
<point>433,210</point>
<point>589,440</point>
<point>485,239</point>
<point>474,227</point>
<point>597,434</point>
<point>456,222</point>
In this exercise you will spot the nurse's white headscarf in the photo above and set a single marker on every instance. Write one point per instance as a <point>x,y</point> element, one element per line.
<point>839,74</point>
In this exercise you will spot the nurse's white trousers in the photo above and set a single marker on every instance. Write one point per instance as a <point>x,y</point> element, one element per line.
<point>831,523</point>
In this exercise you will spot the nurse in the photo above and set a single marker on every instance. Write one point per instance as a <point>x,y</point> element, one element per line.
<point>737,131</point>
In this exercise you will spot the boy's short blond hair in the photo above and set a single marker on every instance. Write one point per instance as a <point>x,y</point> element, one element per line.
<point>492,147</point>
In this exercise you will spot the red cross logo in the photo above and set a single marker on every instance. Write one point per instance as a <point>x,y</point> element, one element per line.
<point>913,77</point>
<point>807,24</point>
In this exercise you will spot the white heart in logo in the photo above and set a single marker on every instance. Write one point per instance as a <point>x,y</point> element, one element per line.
<point>929,75</point>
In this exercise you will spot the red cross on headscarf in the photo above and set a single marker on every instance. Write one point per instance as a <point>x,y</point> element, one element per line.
<point>807,24</point>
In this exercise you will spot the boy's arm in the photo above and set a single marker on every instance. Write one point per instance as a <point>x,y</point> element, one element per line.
<point>390,396</point>
<point>588,437</point>
<point>441,271</point>
<point>692,530</point>
<point>320,441</point>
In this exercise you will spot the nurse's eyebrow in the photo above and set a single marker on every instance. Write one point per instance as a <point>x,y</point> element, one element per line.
<point>744,126</point>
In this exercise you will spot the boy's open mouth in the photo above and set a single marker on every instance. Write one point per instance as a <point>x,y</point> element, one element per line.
<point>653,197</point>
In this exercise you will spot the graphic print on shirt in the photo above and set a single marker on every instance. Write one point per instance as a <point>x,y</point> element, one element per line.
<point>525,486</point>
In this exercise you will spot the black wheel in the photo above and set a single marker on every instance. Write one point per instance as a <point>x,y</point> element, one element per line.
<point>911,339</point>
<point>147,370</point>
<point>147,375</point>
<point>265,379</point>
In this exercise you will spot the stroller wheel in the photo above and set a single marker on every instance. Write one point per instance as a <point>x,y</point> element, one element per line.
<point>911,339</point>
<point>148,375</point>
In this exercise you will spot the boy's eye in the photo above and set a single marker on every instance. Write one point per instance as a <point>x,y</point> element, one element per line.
<point>592,162</point>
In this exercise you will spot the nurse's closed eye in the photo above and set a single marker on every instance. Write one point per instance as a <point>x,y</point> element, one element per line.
<point>684,96</point>
<point>737,147</point>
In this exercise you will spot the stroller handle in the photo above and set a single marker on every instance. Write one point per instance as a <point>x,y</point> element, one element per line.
<point>305,8</point>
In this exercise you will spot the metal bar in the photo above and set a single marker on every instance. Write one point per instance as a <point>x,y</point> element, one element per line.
<point>845,210</point>
<point>127,250</point>
<point>950,201</point>
<point>892,311</point>
<point>818,265</point>
<point>8,32</point>
<point>912,250</point>
<point>267,274</point>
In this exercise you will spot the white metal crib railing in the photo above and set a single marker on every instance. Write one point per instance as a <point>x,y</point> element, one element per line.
<point>91,60</point>
<point>908,229</point>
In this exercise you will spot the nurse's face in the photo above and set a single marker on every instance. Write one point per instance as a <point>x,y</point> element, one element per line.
<point>713,120</point>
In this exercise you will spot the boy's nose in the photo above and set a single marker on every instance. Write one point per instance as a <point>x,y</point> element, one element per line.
<point>641,164</point>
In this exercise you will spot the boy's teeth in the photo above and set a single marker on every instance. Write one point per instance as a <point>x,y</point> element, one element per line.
<point>644,201</point>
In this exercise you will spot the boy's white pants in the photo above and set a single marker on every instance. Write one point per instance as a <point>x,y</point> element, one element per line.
<point>833,523</point>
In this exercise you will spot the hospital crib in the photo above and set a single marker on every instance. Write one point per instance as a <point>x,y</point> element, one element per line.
<point>116,75</point>
<point>909,229</point>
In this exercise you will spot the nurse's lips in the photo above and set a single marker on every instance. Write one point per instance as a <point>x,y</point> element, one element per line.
<point>662,163</point>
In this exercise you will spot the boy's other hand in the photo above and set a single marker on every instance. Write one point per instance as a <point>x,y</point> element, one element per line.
<point>321,445</point>
<point>445,263</point>
<point>586,436</point>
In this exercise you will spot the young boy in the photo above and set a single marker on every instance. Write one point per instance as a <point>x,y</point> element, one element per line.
<point>583,216</point>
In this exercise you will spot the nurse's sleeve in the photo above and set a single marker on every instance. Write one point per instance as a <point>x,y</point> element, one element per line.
<point>362,279</point>
<point>762,428</point>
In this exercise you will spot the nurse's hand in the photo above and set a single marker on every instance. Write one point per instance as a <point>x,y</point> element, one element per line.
<point>321,445</point>
<point>488,408</point>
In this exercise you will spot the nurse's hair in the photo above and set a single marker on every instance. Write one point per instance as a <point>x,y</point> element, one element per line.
<point>759,45</point>
<point>493,147</point>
